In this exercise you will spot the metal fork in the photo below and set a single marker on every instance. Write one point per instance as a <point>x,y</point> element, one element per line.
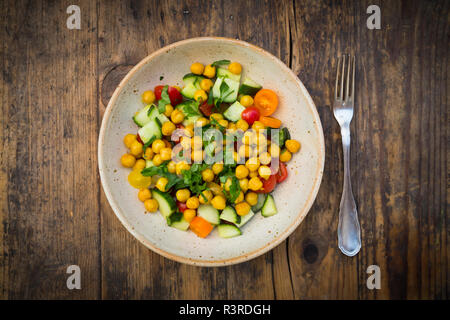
<point>349,233</point>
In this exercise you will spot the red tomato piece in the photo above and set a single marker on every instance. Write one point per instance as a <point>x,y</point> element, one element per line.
<point>175,96</point>
<point>158,90</point>
<point>138,138</point>
<point>250,115</point>
<point>181,206</point>
<point>282,173</point>
<point>206,108</point>
<point>268,185</point>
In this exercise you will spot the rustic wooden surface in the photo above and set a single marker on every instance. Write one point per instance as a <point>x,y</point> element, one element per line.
<point>55,84</point>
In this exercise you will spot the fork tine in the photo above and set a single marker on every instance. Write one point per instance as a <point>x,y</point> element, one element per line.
<point>353,81</point>
<point>347,87</point>
<point>337,79</point>
<point>342,77</point>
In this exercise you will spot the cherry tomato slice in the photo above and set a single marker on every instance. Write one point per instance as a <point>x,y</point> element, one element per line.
<point>174,95</point>
<point>138,138</point>
<point>181,206</point>
<point>206,108</point>
<point>282,173</point>
<point>268,185</point>
<point>250,115</point>
<point>266,101</point>
<point>158,90</point>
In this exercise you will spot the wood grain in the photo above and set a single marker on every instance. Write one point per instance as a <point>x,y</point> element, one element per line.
<point>55,85</point>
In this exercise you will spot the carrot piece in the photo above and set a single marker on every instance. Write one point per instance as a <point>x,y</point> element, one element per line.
<point>201,227</point>
<point>266,101</point>
<point>270,122</point>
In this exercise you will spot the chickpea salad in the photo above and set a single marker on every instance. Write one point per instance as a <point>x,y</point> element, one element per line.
<point>209,154</point>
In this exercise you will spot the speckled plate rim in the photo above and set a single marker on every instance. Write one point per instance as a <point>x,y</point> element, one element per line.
<point>241,258</point>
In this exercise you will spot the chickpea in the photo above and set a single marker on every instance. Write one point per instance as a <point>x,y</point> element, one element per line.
<point>216,116</point>
<point>171,167</point>
<point>264,172</point>
<point>202,121</point>
<point>205,194</point>
<point>252,164</point>
<point>215,188</point>
<point>197,143</point>
<point>167,128</point>
<point>253,174</point>
<point>168,111</point>
<point>180,166</point>
<point>177,116</point>
<point>129,139</point>
<point>285,156</point>
<point>217,168</point>
<point>246,101</point>
<point>139,165</point>
<point>242,124</point>
<point>144,194</point>
<point>161,184</point>
<point>200,95</point>
<point>241,172</point>
<point>189,130</point>
<point>258,125</point>
<point>210,71</point>
<point>227,184</point>
<point>157,145</point>
<point>265,158</point>
<point>166,154</point>
<point>208,175</point>
<point>136,149</point>
<point>245,151</point>
<point>251,198</point>
<point>218,202</point>
<point>197,68</point>
<point>128,160</point>
<point>186,142</point>
<point>189,214</point>
<point>242,208</point>
<point>157,161</point>
<point>148,154</point>
<point>177,87</point>
<point>192,203</point>
<point>148,97</point>
<point>235,67</point>
<point>274,150</point>
<point>240,197</point>
<point>223,123</point>
<point>293,146</point>
<point>151,205</point>
<point>232,126</point>
<point>206,84</point>
<point>197,155</point>
<point>236,157</point>
<point>183,195</point>
<point>255,184</point>
<point>243,183</point>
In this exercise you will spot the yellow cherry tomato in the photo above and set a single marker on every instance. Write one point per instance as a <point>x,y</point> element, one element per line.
<point>138,181</point>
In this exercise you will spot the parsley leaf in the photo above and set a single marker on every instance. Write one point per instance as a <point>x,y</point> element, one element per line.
<point>235,189</point>
<point>190,108</point>
<point>174,217</point>
<point>165,99</point>
<point>163,172</point>
<point>193,178</point>
<point>220,63</point>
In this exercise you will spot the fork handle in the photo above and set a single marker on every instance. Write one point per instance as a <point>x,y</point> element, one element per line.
<point>349,233</point>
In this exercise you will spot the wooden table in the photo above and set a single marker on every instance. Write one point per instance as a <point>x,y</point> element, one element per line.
<point>54,88</point>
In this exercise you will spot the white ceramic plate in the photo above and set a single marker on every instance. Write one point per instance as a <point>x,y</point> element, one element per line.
<point>293,198</point>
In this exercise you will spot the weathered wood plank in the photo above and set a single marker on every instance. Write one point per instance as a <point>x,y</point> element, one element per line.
<point>48,126</point>
<point>149,26</point>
